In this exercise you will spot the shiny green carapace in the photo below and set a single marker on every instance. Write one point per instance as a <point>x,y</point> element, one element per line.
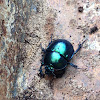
<point>63,47</point>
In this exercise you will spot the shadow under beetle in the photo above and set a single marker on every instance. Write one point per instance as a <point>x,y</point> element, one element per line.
<point>57,57</point>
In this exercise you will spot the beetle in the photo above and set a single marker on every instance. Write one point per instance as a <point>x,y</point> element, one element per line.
<point>57,56</point>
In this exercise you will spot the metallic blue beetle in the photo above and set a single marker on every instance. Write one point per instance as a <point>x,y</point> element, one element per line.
<point>57,57</point>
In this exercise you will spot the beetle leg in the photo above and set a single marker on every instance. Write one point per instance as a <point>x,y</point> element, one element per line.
<point>50,41</point>
<point>52,71</point>
<point>79,47</point>
<point>75,66</point>
<point>51,38</point>
<point>46,70</point>
<point>54,76</point>
<point>41,72</point>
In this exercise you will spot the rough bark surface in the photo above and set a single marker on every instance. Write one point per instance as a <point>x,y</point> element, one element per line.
<point>25,24</point>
